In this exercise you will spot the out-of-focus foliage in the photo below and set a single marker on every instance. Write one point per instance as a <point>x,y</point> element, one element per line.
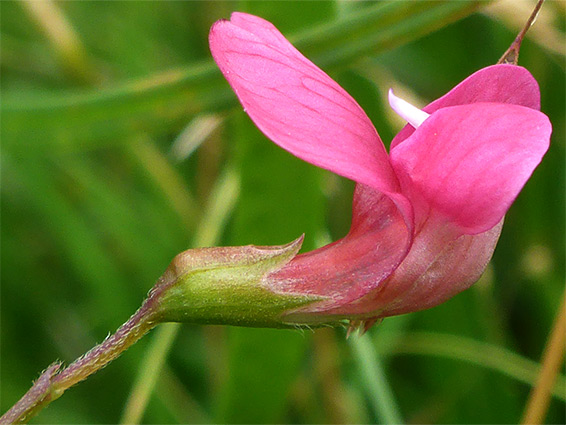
<point>102,102</point>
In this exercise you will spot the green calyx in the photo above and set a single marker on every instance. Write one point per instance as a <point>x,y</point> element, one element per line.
<point>227,286</point>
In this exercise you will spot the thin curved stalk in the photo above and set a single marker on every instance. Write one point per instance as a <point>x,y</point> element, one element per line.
<point>222,201</point>
<point>475,352</point>
<point>539,399</point>
<point>149,372</point>
<point>375,380</point>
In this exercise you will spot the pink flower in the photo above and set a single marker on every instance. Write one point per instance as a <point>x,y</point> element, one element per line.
<point>426,216</point>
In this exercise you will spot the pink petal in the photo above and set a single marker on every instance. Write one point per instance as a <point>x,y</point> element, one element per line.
<point>354,266</point>
<point>493,84</point>
<point>468,163</point>
<point>439,265</point>
<point>447,267</point>
<point>296,104</point>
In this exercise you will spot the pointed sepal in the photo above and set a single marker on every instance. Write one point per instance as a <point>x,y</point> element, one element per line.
<point>227,286</point>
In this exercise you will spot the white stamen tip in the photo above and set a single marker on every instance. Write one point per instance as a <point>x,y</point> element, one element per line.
<point>405,110</point>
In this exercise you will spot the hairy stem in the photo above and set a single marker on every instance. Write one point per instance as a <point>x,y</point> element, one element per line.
<point>52,384</point>
<point>129,333</point>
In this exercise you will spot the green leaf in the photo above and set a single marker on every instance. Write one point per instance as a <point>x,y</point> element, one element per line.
<point>165,100</point>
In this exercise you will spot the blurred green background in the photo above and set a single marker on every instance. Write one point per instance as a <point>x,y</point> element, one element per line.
<point>122,146</point>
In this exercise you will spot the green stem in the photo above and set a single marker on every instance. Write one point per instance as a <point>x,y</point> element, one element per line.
<point>222,201</point>
<point>475,352</point>
<point>374,379</point>
<point>149,372</point>
<point>62,37</point>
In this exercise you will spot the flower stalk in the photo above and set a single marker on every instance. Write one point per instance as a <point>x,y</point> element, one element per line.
<point>53,383</point>
<point>205,285</point>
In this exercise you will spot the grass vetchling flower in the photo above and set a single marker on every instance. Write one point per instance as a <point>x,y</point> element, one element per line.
<point>426,216</point>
